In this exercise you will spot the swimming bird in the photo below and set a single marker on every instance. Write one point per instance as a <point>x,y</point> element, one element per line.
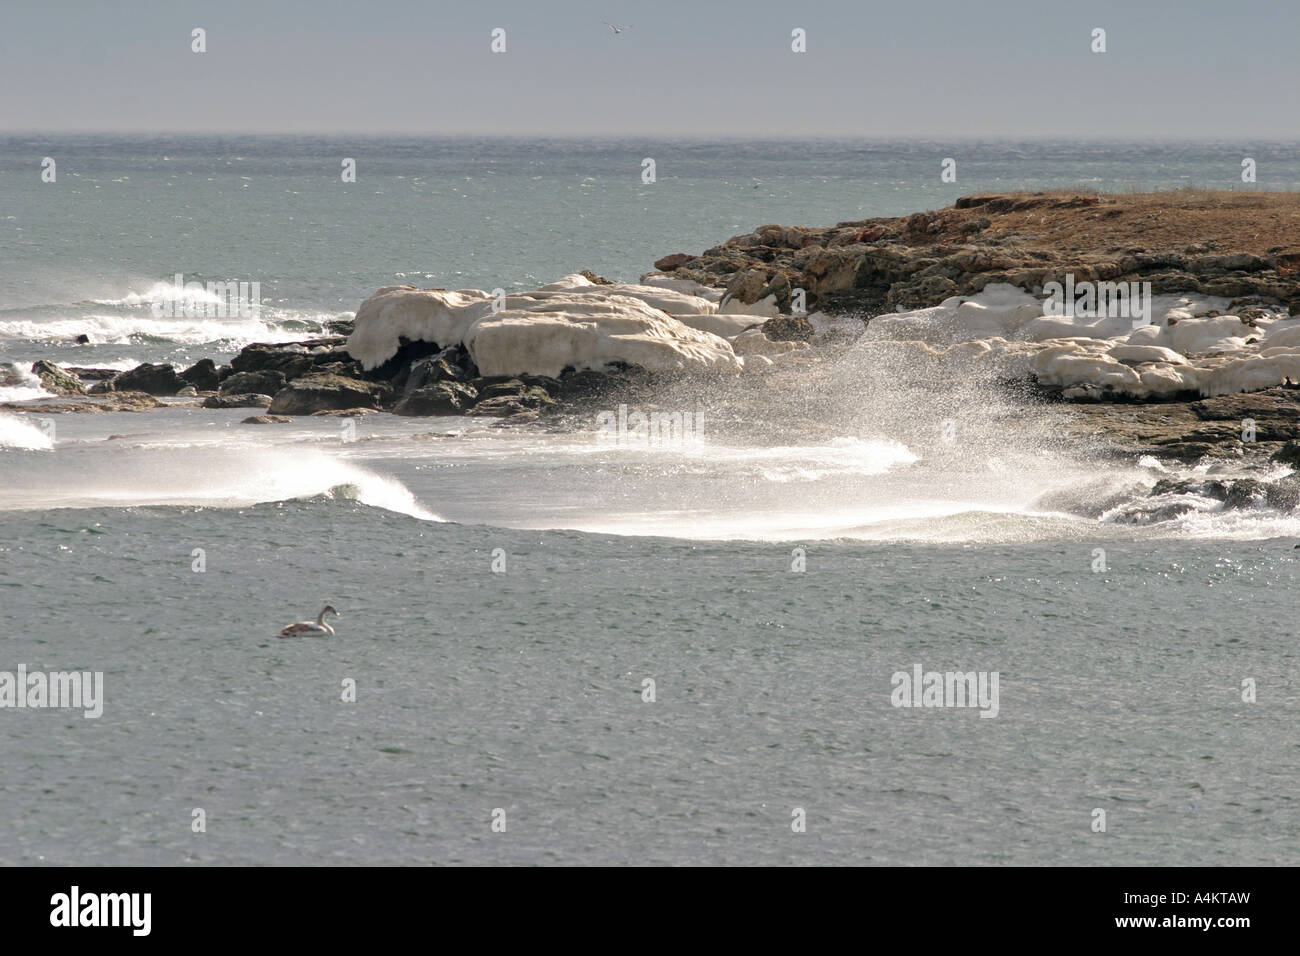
<point>308,629</point>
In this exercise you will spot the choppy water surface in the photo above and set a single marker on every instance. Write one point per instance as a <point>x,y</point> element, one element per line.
<point>521,689</point>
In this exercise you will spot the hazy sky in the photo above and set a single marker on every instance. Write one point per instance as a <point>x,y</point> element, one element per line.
<point>1198,68</point>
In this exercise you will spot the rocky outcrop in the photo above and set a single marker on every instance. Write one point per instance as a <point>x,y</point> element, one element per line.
<point>266,381</point>
<point>1232,244</point>
<point>573,323</point>
<point>441,398</point>
<point>159,379</point>
<point>202,375</point>
<point>248,400</point>
<point>314,393</point>
<point>56,381</point>
<point>117,402</point>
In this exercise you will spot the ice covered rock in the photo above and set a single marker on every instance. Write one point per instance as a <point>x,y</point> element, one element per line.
<point>570,323</point>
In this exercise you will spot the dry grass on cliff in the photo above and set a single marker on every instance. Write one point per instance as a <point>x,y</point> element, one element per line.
<point>1196,221</point>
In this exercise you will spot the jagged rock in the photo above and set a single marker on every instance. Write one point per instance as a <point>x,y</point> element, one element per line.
<point>291,359</point>
<point>788,328</point>
<point>120,402</point>
<point>56,380</point>
<point>202,375</point>
<point>746,286</point>
<point>450,365</point>
<point>441,398</point>
<point>237,401</point>
<point>92,374</point>
<point>158,379</point>
<point>1288,454</point>
<point>313,393</point>
<point>265,381</point>
<point>499,407</point>
<point>676,260</point>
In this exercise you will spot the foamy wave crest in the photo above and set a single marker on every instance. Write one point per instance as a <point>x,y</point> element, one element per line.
<point>212,476</point>
<point>18,433</point>
<point>163,292</point>
<point>128,329</point>
<point>18,384</point>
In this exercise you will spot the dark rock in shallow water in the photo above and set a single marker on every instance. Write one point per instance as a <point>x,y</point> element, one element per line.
<point>344,412</point>
<point>202,375</point>
<point>120,402</point>
<point>441,398</point>
<point>314,393</point>
<point>290,359</point>
<point>499,407</point>
<point>56,380</point>
<point>93,374</point>
<point>237,401</point>
<point>512,387</point>
<point>1288,454</point>
<point>152,379</point>
<point>1283,494</point>
<point>264,382</point>
<point>1245,493</point>
<point>82,339</point>
<point>266,420</point>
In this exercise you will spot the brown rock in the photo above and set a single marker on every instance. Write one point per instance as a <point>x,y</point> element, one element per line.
<point>675,261</point>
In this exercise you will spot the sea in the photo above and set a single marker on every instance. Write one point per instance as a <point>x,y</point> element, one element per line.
<point>557,649</point>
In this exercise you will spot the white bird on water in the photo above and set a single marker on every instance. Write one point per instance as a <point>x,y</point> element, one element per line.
<point>310,629</point>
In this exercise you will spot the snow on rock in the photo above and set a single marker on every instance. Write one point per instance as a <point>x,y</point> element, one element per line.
<point>589,334</point>
<point>669,300</point>
<point>1182,349</point>
<point>727,326</point>
<point>573,322</point>
<point>687,286</point>
<point>766,308</point>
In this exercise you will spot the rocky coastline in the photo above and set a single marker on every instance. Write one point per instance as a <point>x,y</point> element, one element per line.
<point>772,301</point>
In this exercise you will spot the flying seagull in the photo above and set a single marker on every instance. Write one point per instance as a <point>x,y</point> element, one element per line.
<point>614,28</point>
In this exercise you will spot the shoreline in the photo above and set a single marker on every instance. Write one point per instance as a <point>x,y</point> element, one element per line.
<point>790,297</point>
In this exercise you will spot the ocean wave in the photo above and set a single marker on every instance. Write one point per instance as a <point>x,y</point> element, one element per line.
<point>17,432</point>
<point>20,384</point>
<point>214,476</point>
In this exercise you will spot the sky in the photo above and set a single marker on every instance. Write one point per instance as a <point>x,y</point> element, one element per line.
<point>688,68</point>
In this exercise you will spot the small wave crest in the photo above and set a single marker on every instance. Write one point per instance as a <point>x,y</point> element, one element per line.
<point>218,476</point>
<point>16,432</point>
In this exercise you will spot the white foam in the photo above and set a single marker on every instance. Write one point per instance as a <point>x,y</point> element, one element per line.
<point>219,475</point>
<point>26,385</point>
<point>17,432</point>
